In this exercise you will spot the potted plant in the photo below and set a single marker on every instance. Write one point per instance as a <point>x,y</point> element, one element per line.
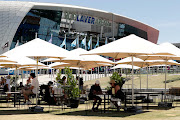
<point>58,78</point>
<point>118,79</point>
<point>73,89</point>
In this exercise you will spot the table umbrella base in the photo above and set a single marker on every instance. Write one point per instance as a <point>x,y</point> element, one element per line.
<point>36,109</point>
<point>133,109</point>
<point>164,104</point>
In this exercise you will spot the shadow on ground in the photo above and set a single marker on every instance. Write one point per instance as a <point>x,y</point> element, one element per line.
<point>101,113</point>
<point>156,108</point>
<point>18,112</point>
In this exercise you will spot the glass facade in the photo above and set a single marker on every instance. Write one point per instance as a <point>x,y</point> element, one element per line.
<point>59,23</point>
<point>42,22</point>
<point>125,30</point>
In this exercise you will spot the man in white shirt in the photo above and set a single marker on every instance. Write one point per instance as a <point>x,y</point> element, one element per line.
<point>32,90</point>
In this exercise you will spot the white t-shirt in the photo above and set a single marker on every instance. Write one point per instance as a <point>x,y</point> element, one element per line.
<point>57,90</point>
<point>8,83</point>
<point>35,83</point>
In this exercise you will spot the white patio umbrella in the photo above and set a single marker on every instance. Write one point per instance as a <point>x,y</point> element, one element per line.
<point>130,46</point>
<point>81,61</point>
<point>161,57</point>
<point>77,58</point>
<point>125,66</point>
<point>20,61</point>
<point>171,48</point>
<point>37,49</point>
<point>147,63</point>
<point>5,59</point>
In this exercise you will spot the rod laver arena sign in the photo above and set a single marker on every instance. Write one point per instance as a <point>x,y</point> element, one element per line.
<point>85,19</point>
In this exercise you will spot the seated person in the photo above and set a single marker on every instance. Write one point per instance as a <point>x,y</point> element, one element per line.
<point>28,84</point>
<point>64,80</point>
<point>3,83</point>
<point>116,93</point>
<point>94,91</point>
<point>81,84</point>
<point>49,96</point>
<point>20,87</point>
<point>32,90</point>
<point>57,91</point>
<point>7,84</point>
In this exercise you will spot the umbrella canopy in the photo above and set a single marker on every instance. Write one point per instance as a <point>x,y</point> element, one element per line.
<point>125,66</point>
<point>131,45</point>
<point>141,63</point>
<point>10,64</point>
<point>38,48</point>
<point>2,56</point>
<point>82,61</point>
<point>25,61</point>
<point>171,48</point>
<point>159,57</point>
<point>166,59</point>
<point>58,64</point>
<point>5,59</point>
<point>162,62</point>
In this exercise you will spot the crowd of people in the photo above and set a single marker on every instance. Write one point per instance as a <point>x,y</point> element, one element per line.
<point>52,88</point>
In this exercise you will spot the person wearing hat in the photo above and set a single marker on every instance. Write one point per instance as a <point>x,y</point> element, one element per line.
<point>116,93</point>
<point>94,91</point>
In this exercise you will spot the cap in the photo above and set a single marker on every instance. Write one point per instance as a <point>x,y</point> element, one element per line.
<point>112,81</point>
<point>97,82</point>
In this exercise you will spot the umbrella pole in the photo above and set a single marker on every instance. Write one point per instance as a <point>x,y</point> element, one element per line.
<point>126,72</point>
<point>22,76</point>
<point>132,81</point>
<point>37,78</point>
<point>51,72</point>
<point>147,76</point>
<point>165,79</point>
<point>16,79</point>
<point>140,78</point>
<point>91,73</point>
<point>98,72</point>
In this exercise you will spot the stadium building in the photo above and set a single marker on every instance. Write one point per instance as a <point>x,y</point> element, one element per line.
<point>22,21</point>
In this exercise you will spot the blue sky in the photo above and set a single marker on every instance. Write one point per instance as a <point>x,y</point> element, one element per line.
<point>161,14</point>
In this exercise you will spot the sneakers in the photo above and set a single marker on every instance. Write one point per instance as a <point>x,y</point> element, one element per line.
<point>95,109</point>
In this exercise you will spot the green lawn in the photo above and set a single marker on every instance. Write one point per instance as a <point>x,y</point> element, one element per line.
<point>155,81</point>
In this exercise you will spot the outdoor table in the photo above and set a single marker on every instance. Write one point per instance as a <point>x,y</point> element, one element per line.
<point>148,93</point>
<point>1,89</point>
<point>105,98</point>
<point>14,96</point>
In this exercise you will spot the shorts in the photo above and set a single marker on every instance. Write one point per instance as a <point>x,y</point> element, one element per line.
<point>27,92</point>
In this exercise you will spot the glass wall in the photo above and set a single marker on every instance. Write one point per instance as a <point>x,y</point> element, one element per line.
<point>42,22</point>
<point>125,30</point>
<point>74,25</point>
